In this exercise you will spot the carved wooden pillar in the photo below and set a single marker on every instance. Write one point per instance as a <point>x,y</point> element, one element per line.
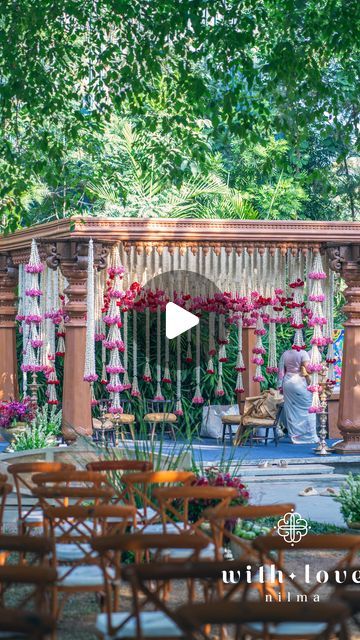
<point>346,260</point>
<point>8,360</point>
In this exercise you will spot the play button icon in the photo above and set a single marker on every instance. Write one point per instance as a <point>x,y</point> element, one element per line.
<point>178,320</point>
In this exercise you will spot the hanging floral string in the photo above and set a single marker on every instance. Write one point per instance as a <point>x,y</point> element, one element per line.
<point>212,349</point>
<point>166,377</point>
<point>178,408</point>
<point>317,321</point>
<point>158,393</point>
<point>114,342</point>
<point>197,399</point>
<point>135,392</point>
<point>296,305</point>
<point>239,366</point>
<point>222,339</point>
<point>90,374</point>
<point>330,354</point>
<point>272,360</point>
<point>189,357</point>
<point>126,380</point>
<point>52,317</point>
<point>147,371</point>
<point>219,390</point>
<point>258,350</point>
<point>24,328</point>
<point>32,316</point>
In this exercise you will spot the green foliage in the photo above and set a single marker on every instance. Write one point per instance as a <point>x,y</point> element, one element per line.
<point>42,431</point>
<point>349,499</point>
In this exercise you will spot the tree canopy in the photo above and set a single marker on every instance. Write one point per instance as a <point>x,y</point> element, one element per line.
<point>201,78</point>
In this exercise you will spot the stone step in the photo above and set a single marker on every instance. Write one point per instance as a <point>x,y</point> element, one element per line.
<point>331,480</point>
<point>290,470</point>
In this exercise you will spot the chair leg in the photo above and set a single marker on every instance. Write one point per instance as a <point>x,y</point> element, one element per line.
<point>223,433</point>
<point>153,429</point>
<point>276,437</point>
<point>172,431</point>
<point>230,434</point>
<point>266,435</point>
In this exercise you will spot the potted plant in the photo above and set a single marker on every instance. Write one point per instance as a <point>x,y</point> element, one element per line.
<point>349,499</point>
<point>15,415</point>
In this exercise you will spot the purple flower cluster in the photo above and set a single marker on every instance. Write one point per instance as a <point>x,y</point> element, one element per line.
<point>14,410</point>
<point>214,478</point>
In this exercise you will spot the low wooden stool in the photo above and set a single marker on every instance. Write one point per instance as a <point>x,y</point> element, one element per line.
<point>229,422</point>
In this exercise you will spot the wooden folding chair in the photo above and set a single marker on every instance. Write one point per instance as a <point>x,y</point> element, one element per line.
<point>31,516</point>
<point>272,550</point>
<point>116,624</point>
<point>71,477</point>
<point>265,621</point>
<point>140,488</point>
<point>5,489</point>
<point>115,470</point>
<point>16,623</point>
<point>220,518</point>
<point>76,527</point>
<point>174,505</point>
<point>26,590</point>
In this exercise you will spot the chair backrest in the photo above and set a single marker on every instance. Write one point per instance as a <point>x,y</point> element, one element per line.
<point>71,478</point>
<point>22,474</point>
<point>36,572</point>
<point>195,618</point>
<point>186,505</point>
<point>140,488</point>
<point>223,521</point>
<point>63,495</point>
<point>120,465</point>
<point>5,489</point>
<point>159,406</point>
<point>110,549</point>
<point>16,623</point>
<point>80,525</point>
<point>272,548</point>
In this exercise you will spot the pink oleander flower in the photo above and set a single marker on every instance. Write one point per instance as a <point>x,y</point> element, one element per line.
<point>240,369</point>
<point>114,344</point>
<point>210,371</point>
<point>314,368</point>
<point>115,388</point>
<point>260,332</point>
<point>91,377</point>
<point>116,271</point>
<point>19,318</point>
<point>109,320</point>
<point>279,292</point>
<point>127,386</point>
<point>212,352</point>
<point>315,410</point>
<point>272,369</point>
<point>198,400</point>
<point>34,268</point>
<point>33,319</point>
<point>317,298</point>
<point>34,368</point>
<point>330,360</point>
<point>314,388</point>
<point>317,275</point>
<point>114,369</point>
<point>60,354</point>
<point>33,293</point>
<point>115,410</point>
<point>317,320</point>
<point>258,378</point>
<point>259,350</point>
<point>223,359</point>
<point>37,343</point>
<point>320,342</point>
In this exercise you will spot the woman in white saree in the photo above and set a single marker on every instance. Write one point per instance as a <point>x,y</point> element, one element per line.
<point>301,424</point>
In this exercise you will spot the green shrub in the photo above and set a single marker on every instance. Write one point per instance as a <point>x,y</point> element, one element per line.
<point>349,498</point>
<point>33,438</point>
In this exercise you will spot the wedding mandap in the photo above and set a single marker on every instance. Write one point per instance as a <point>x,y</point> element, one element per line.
<point>86,297</point>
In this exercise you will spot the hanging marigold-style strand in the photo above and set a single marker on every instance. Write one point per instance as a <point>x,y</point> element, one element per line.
<point>197,398</point>
<point>178,408</point>
<point>317,321</point>
<point>135,392</point>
